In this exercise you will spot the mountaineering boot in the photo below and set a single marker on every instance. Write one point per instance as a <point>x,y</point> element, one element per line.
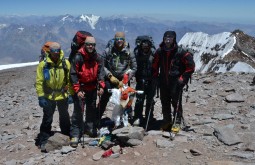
<point>177,126</point>
<point>43,148</point>
<point>166,126</point>
<point>74,142</point>
<point>137,122</point>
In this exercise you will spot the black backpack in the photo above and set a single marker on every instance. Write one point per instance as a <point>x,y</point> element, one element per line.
<point>78,40</point>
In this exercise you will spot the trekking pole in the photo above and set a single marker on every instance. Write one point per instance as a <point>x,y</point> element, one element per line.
<point>152,104</point>
<point>157,90</point>
<point>83,120</point>
<point>172,133</point>
<point>187,90</point>
<point>99,114</point>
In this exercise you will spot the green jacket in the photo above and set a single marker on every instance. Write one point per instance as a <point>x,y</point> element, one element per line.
<point>56,88</point>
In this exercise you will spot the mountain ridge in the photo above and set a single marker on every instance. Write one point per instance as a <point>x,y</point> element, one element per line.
<point>21,38</point>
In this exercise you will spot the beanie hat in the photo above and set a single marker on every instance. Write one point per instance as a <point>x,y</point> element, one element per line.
<point>119,35</point>
<point>90,39</point>
<point>170,34</point>
<point>55,47</point>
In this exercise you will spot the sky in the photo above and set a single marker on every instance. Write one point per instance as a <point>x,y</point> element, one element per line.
<point>230,11</point>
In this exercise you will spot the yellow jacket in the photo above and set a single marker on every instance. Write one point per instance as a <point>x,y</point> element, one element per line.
<point>56,88</point>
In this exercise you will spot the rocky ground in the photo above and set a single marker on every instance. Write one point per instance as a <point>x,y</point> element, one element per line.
<point>219,107</point>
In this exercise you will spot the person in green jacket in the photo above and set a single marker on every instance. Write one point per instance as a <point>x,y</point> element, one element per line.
<point>54,89</point>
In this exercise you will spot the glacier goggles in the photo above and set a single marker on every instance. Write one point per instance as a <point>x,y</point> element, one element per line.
<point>90,44</point>
<point>119,39</point>
<point>55,51</point>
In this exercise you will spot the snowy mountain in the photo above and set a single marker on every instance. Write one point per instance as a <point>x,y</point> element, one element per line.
<point>22,37</point>
<point>221,52</point>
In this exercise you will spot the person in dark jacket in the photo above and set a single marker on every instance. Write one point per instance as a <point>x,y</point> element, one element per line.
<point>144,54</point>
<point>87,76</point>
<point>174,66</point>
<point>118,61</point>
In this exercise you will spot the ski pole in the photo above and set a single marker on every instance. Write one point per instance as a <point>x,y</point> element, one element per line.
<point>152,104</point>
<point>178,106</point>
<point>99,114</point>
<point>83,120</point>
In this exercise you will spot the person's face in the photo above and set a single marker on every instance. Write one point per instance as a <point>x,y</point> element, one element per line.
<point>169,41</point>
<point>55,54</point>
<point>119,41</point>
<point>145,48</point>
<point>90,47</point>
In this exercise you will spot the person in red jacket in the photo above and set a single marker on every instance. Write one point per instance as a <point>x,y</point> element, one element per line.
<point>87,76</point>
<point>173,67</point>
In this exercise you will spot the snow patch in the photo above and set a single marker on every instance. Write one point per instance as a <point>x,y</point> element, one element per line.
<point>92,20</point>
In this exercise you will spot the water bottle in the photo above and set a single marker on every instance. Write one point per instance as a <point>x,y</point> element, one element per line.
<point>46,73</point>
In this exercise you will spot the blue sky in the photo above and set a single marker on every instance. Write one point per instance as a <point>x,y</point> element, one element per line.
<point>237,11</point>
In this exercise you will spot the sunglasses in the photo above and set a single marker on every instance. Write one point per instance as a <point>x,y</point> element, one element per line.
<point>90,44</point>
<point>55,50</point>
<point>119,39</point>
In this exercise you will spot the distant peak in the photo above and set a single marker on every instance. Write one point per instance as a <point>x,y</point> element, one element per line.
<point>90,18</point>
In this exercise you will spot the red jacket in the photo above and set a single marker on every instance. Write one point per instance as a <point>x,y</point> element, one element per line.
<point>87,71</point>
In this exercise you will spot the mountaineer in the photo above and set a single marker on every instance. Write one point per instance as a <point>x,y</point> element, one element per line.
<point>118,61</point>
<point>87,77</point>
<point>144,54</point>
<point>54,89</point>
<point>173,66</point>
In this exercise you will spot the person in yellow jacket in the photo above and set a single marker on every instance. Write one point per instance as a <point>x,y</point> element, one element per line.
<point>54,89</point>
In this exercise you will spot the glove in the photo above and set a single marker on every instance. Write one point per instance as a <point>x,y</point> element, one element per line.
<point>125,78</point>
<point>100,92</point>
<point>181,82</point>
<point>43,102</point>
<point>114,80</point>
<point>120,84</point>
<point>70,99</point>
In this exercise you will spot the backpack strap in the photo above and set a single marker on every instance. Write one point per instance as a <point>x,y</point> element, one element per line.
<point>48,90</point>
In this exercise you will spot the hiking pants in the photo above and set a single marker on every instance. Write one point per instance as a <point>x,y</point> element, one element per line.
<point>149,93</point>
<point>87,106</point>
<point>64,119</point>
<point>170,95</point>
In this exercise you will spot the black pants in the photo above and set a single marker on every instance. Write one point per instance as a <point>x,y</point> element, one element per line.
<point>171,95</point>
<point>149,93</point>
<point>64,120</point>
<point>87,106</point>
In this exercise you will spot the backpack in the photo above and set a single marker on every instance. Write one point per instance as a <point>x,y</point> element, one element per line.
<point>78,40</point>
<point>45,50</point>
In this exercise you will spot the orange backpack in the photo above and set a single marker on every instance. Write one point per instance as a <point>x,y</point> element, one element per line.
<point>45,50</point>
